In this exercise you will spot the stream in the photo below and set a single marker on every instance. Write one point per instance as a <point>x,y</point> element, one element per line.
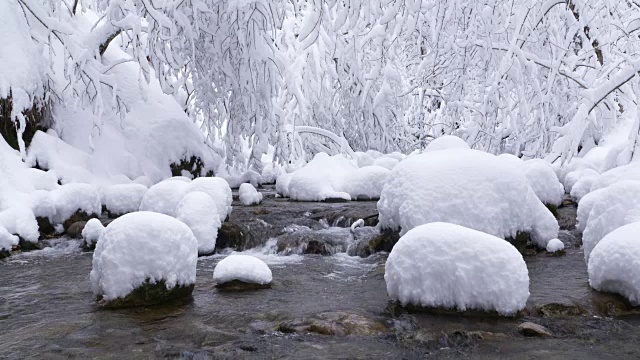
<point>320,306</point>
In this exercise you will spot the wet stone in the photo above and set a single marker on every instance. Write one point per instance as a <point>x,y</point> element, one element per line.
<point>553,310</point>
<point>237,285</point>
<point>149,294</point>
<point>532,329</point>
<point>76,217</point>
<point>75,230</point>
<point>335,324</point>
<point>46,229</point>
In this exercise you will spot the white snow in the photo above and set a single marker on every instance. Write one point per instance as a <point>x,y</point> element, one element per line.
<point>605,210</point>
<point>164,196</point>
<point>143,246</point>
<point>450,266</point>
<point>614,264</point>
<point>543,181</point>
<point>92,231</point>
<point>465,187</point>
<point>218,189</point>
<point>333,177</point>
<point>583,184</point>
<point>121,199</point>
<point>19,220</point>
<point>615,175</point>
<point>7,240</point>
<point>70,198</point>
<point>446,142</point>
<point>249,195</point>
<point>555,245</point>
<point>243,268</point>
<point>198,211</point>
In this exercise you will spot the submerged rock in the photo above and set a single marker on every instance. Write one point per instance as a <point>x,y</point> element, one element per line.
<point>237,285</point>
<point>335,324</point>
<point>532,329</point>
<point>552,310</point>
<point>318,242</point>
<point>149,294</point>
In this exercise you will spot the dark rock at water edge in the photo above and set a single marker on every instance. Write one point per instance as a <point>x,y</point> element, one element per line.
<point>75,230</point>
<point>532,329</point>
<point>79,215</point>
<point>29,246</point>
<point>367,246</point>
<point>237,285</point>
<point>149,294</point>
<point>4,253</point>
<point>46,229</point>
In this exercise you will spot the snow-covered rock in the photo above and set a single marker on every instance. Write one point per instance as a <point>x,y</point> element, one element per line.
<point>615,175</point>
<point>555,245</point>
<point>20,221</point>
<point>140,248</point>
<point>446,142</point>
<point>249,195</point>
<point>543,181</point>
<point>42,204</point>
<point>614,264</point>
<point>164,196</point>
<point>605,210</point>
<point>450,266</point>
<point>584,184</point>
<point>70,198</point>
<point>123,198</point>
<point>465,187</point>
<point>91,232</point>
<point>333,177</point>
<point>7,240</point>
<point>218,189</point>
<point>386,162</point>
<point>242,268</point>
<point>198,210</point>
<point>574,177</point>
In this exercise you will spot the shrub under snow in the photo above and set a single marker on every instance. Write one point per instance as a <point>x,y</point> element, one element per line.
<point>249,195</point>
<point>139,247</point>
<point>450,266</point>
<point>614,264</point>
<point>199,212</point>
<point>465,187</point>
<point>245,268</point>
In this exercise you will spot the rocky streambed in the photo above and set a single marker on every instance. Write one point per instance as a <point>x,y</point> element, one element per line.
<point>328,300</point>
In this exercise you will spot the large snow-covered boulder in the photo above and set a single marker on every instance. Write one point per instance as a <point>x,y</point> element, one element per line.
<point>122,199</point>
<point>199,212</point>
<point>249,195</point>
<point>465,187</point>
<point>605,210</point>
<point>144,258</point>
<point>164,196</point>
<point>450,266</point>
<point>72,198</point>
<point>242,272</point>
<point>218,189</point>
<point>614,264</point>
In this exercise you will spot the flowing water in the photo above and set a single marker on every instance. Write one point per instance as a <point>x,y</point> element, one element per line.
<point>319,307</point>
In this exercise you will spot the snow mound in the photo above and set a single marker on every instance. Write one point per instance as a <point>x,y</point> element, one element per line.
<point>574,177</point>
<point>164,196</point>
<point>7,240</point>
<point>465,187</point>
<point>42,204</point>
<point>249,195</point>
<point>19,220</point>
<point>386,162</point>
<point>543,181</point>
<point>605,210</point>
<point>73,197</point>
<point>450,266</point>
<point>123,198</point>
<point>333,177</point>
<point>555,245</point>
<point>218,189</point>
<point>198,211</point>
<point>446,142</point>
<point>615,175</point>
<point>92,231</point>
<point>143,246</point>
<point>614,264</point>
<point>243,268</point>
<point>584,184</point>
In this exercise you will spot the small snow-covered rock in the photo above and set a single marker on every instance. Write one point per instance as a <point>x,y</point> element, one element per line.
<point>92,231</point>
<point>555,245</point>
<point>614,264</point>
<point>218,189</point>
<point>242,268</point>
<point>71,198</point>
<point>543,181</point>
<point>450,266</point>
<point>142,249</point>
<point>20,220</point>
<point>465,187</point>
<point>123,198</point>
<point>7,240</point>
<point>446,142</point>
<point>199,212</point>
<point>249,195</point>
<point>165,196</point>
